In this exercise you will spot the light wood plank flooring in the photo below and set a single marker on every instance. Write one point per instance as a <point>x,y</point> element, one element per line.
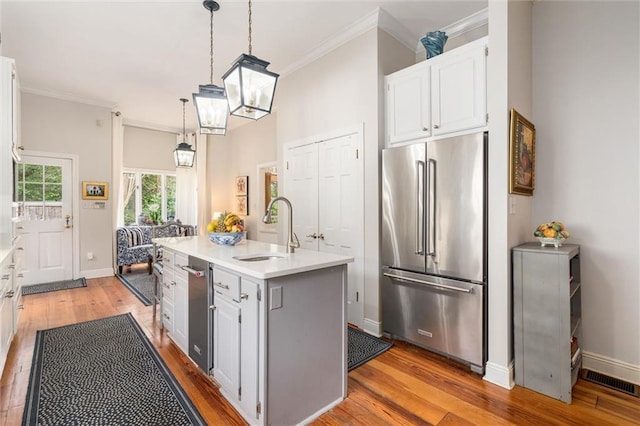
<point>404,386</point>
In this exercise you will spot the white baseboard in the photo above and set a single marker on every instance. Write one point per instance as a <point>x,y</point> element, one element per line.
<point>611,367</point>
<point>373,327</point>
<point>97,273</point>
<point>499,375</point>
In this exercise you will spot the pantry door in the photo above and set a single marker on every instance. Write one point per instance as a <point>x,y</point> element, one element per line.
<point>324,181</point>
<point>44,195</point>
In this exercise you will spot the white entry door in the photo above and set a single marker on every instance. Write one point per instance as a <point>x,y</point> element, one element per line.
<point>44,186</point>
<point>325,184</point>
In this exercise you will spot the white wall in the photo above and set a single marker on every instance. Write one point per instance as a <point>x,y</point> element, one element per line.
<point>341,90</point>
<point>586,112</point>
<point>148,149</point>
<point>57,126</point>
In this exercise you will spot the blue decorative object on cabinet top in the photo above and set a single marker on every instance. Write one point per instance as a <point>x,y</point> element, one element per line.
<point>434,42</point>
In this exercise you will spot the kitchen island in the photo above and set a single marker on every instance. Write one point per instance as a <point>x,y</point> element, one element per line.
<point>277,325</point>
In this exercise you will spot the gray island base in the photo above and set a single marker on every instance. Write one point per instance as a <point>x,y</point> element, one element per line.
<point>277,327</point>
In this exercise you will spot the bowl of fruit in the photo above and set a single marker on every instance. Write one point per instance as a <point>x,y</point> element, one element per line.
<point>226,230</point>
<point>551,234</point>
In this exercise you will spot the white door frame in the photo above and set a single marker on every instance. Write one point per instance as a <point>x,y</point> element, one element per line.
<point>75,182</point>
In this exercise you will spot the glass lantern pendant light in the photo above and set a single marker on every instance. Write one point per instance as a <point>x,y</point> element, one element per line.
<point>250,87</point>
<point>183,154</point>
<point>211,102</point>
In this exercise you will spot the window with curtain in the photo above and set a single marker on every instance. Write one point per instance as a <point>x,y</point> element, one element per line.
<point>148,197</point>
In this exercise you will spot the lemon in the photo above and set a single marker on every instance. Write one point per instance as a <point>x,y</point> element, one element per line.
<point>211,226</point>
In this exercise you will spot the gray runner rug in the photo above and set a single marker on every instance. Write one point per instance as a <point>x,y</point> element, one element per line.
<point>140,283</point>
<point>101,372</point>
<point>53,286</point>
<point>363,347</point>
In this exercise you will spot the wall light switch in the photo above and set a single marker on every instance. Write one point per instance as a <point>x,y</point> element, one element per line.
<point>275,298</point>
<point>512,205</point>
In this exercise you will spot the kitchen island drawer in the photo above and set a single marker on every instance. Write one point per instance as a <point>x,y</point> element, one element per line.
<point>226,283</point>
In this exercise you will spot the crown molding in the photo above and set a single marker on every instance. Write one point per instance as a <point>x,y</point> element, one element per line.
<point>68,97</point>
<point>469,23</point>
<point>358,28</point>
<point>152,126</point>
<point>395,29</point>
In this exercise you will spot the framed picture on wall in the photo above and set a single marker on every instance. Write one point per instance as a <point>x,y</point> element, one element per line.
<point>522,155</point>
<point>242,185</point>
<point>95,190</point>
<point>242,206</point>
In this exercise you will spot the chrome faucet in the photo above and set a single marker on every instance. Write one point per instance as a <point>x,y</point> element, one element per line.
<point>291,245</point>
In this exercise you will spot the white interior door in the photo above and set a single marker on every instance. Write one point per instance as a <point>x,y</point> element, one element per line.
<point>341,215</point>
<point>301,171</point>
<point>325,183</point>
<point>44,191</point>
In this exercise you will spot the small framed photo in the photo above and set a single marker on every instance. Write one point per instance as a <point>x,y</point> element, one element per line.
<point>242,185</point>
<point>241,206</point>
<point>95,190</point>
<point>522,155</point>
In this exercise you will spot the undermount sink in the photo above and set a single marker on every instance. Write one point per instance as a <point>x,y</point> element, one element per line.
<point>257,257</point>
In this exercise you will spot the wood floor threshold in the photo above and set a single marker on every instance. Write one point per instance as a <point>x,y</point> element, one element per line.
<point>405,385</point>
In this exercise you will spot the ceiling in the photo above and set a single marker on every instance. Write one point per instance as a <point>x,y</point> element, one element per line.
<point>142,56</point>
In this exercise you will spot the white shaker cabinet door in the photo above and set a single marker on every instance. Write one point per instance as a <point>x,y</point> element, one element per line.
<point>249,342</point>
<point>407,104</point>
<point>458,89</point>
<point>226,347</point>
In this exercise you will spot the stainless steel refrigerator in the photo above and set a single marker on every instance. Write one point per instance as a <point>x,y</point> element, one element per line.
<point>434,249</point>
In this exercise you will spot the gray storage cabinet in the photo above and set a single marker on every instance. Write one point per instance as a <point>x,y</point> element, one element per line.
<point>547,318</point>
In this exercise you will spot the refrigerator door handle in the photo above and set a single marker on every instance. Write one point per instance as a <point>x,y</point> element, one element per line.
<point>420,207</point>
<point>431,206</point>
<point>441,286</point>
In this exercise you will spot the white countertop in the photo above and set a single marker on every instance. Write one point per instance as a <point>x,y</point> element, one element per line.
<point>290,263</point>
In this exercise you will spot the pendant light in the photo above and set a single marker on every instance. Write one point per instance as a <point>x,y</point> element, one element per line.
<point>183,154</point>
<point>211,102</point>
<point>250,86</point>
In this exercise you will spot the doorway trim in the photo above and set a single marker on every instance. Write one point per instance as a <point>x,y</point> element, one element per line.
<point>75,181</point>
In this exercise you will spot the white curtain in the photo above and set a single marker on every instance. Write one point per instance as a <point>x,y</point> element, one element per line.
<point>186,189</point>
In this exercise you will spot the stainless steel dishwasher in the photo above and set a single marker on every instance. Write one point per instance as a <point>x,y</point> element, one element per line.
<point>199,313</point>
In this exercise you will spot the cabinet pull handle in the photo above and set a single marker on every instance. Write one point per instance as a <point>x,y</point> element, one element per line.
<point>5,277</point>
<point>173,283</point>
<point>9,294</point>
<point>20,307</point>
<point>166,316</point>
<point>219,284</point>
<point>212,307</point>
<point>20,248</point>
<point>244,296</point>
<point>435,126</point>
<point>20,275</point>
<point>314,236</point>
<point>425,129</point>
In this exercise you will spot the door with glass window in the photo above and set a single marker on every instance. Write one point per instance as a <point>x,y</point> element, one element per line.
<point>43,194</point>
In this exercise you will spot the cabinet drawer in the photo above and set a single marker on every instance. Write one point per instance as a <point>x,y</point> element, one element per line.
<point>168,284</point>
<point>180,260</point>
<point>167,314</point>
<point>226,284</point>
<point>168,259</point>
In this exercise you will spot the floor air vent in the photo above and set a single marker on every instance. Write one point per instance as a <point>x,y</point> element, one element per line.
<point>610,382</point>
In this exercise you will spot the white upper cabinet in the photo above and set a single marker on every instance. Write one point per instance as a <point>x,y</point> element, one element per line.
<point>442,95</point>
<point>458,89</point>
<point>407,104</point>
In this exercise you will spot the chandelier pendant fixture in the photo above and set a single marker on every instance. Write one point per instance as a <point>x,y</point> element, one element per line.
<point>249,85</point>
<point>183,154</point>
<point>211,102</point>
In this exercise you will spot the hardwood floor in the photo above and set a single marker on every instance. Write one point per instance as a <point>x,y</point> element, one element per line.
<point>404,386</point>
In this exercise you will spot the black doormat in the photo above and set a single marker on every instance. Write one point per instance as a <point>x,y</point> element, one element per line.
<point>363,347</point>
<point>53,286</point>
<point>100,372</point>
<point>140,283</point>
